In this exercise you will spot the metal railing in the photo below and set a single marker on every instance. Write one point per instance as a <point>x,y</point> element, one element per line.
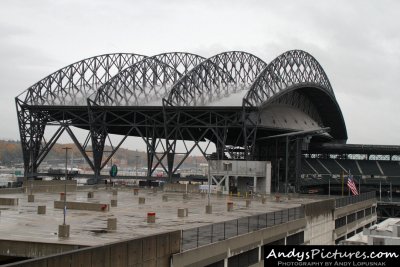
<point>204,235</point>
<point>344,201</point>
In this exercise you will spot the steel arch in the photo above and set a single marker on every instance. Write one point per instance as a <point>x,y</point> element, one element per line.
<point>216,77</point>
<point>69,85</point>
<point>144,82</point>
<point>292,68</point>
<point>72,84</point>
<point>183,62</point>
<point>61,100</point>
<point>159,72</point>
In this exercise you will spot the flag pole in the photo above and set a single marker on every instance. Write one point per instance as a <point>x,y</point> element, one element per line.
<point>348,175</point>
<point>342,178</point>
<point>380,190</point>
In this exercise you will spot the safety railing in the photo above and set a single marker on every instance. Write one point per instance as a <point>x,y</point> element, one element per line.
<point>344,201</point>
<point>204,235</point>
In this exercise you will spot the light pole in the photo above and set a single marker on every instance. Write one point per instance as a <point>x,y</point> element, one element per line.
<point>137,161</point>
<point>286,165</point>
<point>209,181</point>
<point>65,184</point>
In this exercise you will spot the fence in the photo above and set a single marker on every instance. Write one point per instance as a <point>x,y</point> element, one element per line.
<point>341,202</point>
<point>204,235</point>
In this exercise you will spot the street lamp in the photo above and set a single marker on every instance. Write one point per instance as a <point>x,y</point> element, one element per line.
<point>65,184</point>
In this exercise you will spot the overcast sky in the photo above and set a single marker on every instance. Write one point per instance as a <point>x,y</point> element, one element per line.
<point>356,42</point>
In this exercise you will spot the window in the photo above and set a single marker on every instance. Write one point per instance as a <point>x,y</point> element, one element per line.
<point>244,259</point>
<point>351,218</point>
<point>339,222</point>
<point>296,239</point>
<point>227,166</point>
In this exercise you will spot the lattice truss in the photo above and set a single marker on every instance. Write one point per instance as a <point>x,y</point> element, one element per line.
<point>216,78</point>
<point>292,69</point>
<point>84,93</point>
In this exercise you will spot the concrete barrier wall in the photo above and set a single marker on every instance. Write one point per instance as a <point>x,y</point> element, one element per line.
<point>29,249</point>
<point>11,190</point>
<point>48,186</point>
<point>319,207</point>
<point>153,250</point>
<point>8,201</point>
<point>191,188</point>
<point>82,206</point>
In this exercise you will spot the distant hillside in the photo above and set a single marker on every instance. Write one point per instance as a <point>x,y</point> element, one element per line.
<point>11,153</point>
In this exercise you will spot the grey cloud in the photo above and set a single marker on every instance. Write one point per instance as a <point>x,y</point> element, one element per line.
<point>356,43</point>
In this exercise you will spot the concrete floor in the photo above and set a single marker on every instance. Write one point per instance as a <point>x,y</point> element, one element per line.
<point>89,228</point>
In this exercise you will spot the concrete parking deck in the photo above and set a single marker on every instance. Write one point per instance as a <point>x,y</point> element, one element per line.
<point>89,228</point>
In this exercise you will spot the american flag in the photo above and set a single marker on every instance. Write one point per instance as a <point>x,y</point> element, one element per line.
<point>352,185</point>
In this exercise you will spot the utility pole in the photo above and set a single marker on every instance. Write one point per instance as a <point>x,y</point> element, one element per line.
<point>65,184</point>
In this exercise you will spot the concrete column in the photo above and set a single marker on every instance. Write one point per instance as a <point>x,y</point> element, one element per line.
<point>114,202</point>
<point>183,212</point>
<point>229,206</point>
<point>268,178</point>
<point>263,199</point>
<point>248,202</point>
<point>112,224</point>
<point>255,185</point>
<point>208,209</point>
<point>151,217</point>
<point>63,230</point>
<point>41,210</point>
<point>227,184</point>
<point>31,198</point>
<point>142,200</point>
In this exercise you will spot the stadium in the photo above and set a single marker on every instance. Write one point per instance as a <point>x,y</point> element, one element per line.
<point>233,106</point>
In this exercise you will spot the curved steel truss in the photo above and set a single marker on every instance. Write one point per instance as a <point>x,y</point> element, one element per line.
<point>164,99</point>
<point>215,78</point>
<point>72,84</point>
<point>292,68</point>
<point>145,82</point>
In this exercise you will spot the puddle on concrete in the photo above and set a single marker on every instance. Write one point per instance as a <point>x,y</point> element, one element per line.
<point>99,231</point>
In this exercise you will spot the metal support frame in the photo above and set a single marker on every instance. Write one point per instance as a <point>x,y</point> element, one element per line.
<point>106,95</point>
